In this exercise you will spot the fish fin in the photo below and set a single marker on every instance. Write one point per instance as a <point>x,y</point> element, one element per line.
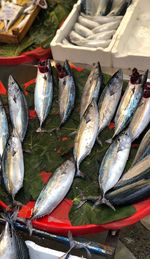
<point>109,141</point>
<point>87,119</point>
<point>99,141</point>
<point>73,133</point>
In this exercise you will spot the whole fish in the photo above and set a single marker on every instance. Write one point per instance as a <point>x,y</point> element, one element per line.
<point>86,134</point>
<point>75,37</point>
<point>18,108</point>
<point>130,194</point>
<point>4,132</point>
<point>106,35</point>
<point>144,148</point>
<point>85,22</point>
<point>113,164</point>
<point>92,88</point>
<point>66,42</point>
<point>119,7</point>
<point>104,7</point>
<point>11,245</point>
<point>55,190</point>
<point>139,171</point>
<point>13,165</point>
<point>82,30</point>
<point>43,93</point>
<point>94,43</point>
<point>129,101</point>
<point>102,19</point>
<point>106,27</point>
<point>109,99</point>
<point>140,119</point>
<point>66,91</point>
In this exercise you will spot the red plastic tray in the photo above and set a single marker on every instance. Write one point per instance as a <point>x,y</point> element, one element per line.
<point>58,221</point>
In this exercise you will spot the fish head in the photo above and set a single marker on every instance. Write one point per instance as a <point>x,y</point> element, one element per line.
<point>125,139</point>
<point>13,88</point>
<point>116,82</point>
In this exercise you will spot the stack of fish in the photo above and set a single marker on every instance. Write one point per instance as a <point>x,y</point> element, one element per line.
<point>97,23</point>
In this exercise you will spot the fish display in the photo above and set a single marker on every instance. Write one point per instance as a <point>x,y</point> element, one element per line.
<point>11,245</point>
<point>109,99</point>
<point>86,134</point>
<point>92,88</point>
<point>144,148</point>
<point>43,93</point>
<point>4,131</point>
<point>18,108</point>
<point>55,190</point>
<point>13,165</point>
<point>67,91</point>
<point>140,119</point>
<point>113,164</point>
<point>130,101</point>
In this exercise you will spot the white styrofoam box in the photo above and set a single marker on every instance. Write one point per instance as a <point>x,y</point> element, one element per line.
<point>39,252</point>
<point>132,46</point>
<point>80,54</point>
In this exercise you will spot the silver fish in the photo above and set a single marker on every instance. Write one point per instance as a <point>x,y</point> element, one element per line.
<point>139,171</point>
<point>144,148</point>
<point>12,246</point>
<point>92,88</point>
<point>18,108</point>
<point>75,37</point>
<point>13,165</point>
<point>55,190</point>
<point>107,26</point>
<point>82,30</point>
<point>85,22</point>
<point>86,134</point>
<point>103,8</point>
<point>140,119</point>
<point>106,35</point>
<point>66,93</point>
<point>113,163</point>
<point>4,132</point>
<point>43,93</point>
<point>119,7</point>
<point>94,44</point>
<point>129,104</point>
<point>66,42</point>
<point>102,19</point>
<point>109,99</point>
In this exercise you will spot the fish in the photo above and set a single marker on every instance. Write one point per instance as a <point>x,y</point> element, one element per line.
<point>129,101</point>
<point>102,19</point>
<point>82,30</point>
<point>106,27</point>
<point>13,165</point>
<point>67,91</point>
<point>43,94</point>
<point>54,191</point>
<point>86,135</point>
<point>109,99</point>
<point>18,108</point>
<point>104,7</point>
<point>140,119</point>
<point>4,131</point>
<point>75,37</point>
<point>11,245</point>
<point>119,7</point>
<point>66,42</point>
<point>113,164</point>
<point>92,88</point>
<point>85,22</point>
<point>106,35</point>
<point>144,148</point>
<point>130,194</point>
<point>94,43</point>
<point>140,170</point>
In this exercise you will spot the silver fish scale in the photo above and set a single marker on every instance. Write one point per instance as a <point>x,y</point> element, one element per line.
<point>13,166</point>
<point>18,108</point>
<point>114,162</point>
<point>55,190</point>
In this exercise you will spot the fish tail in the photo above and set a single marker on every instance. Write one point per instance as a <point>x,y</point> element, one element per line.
<point>108,203</point>
<point>78,173</point>
<point>99,141</point>
<point>29,225</point>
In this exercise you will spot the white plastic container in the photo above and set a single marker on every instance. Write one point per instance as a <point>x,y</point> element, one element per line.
<point>78,54</point>
<point>132,45</point>
<point>39,252</point>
